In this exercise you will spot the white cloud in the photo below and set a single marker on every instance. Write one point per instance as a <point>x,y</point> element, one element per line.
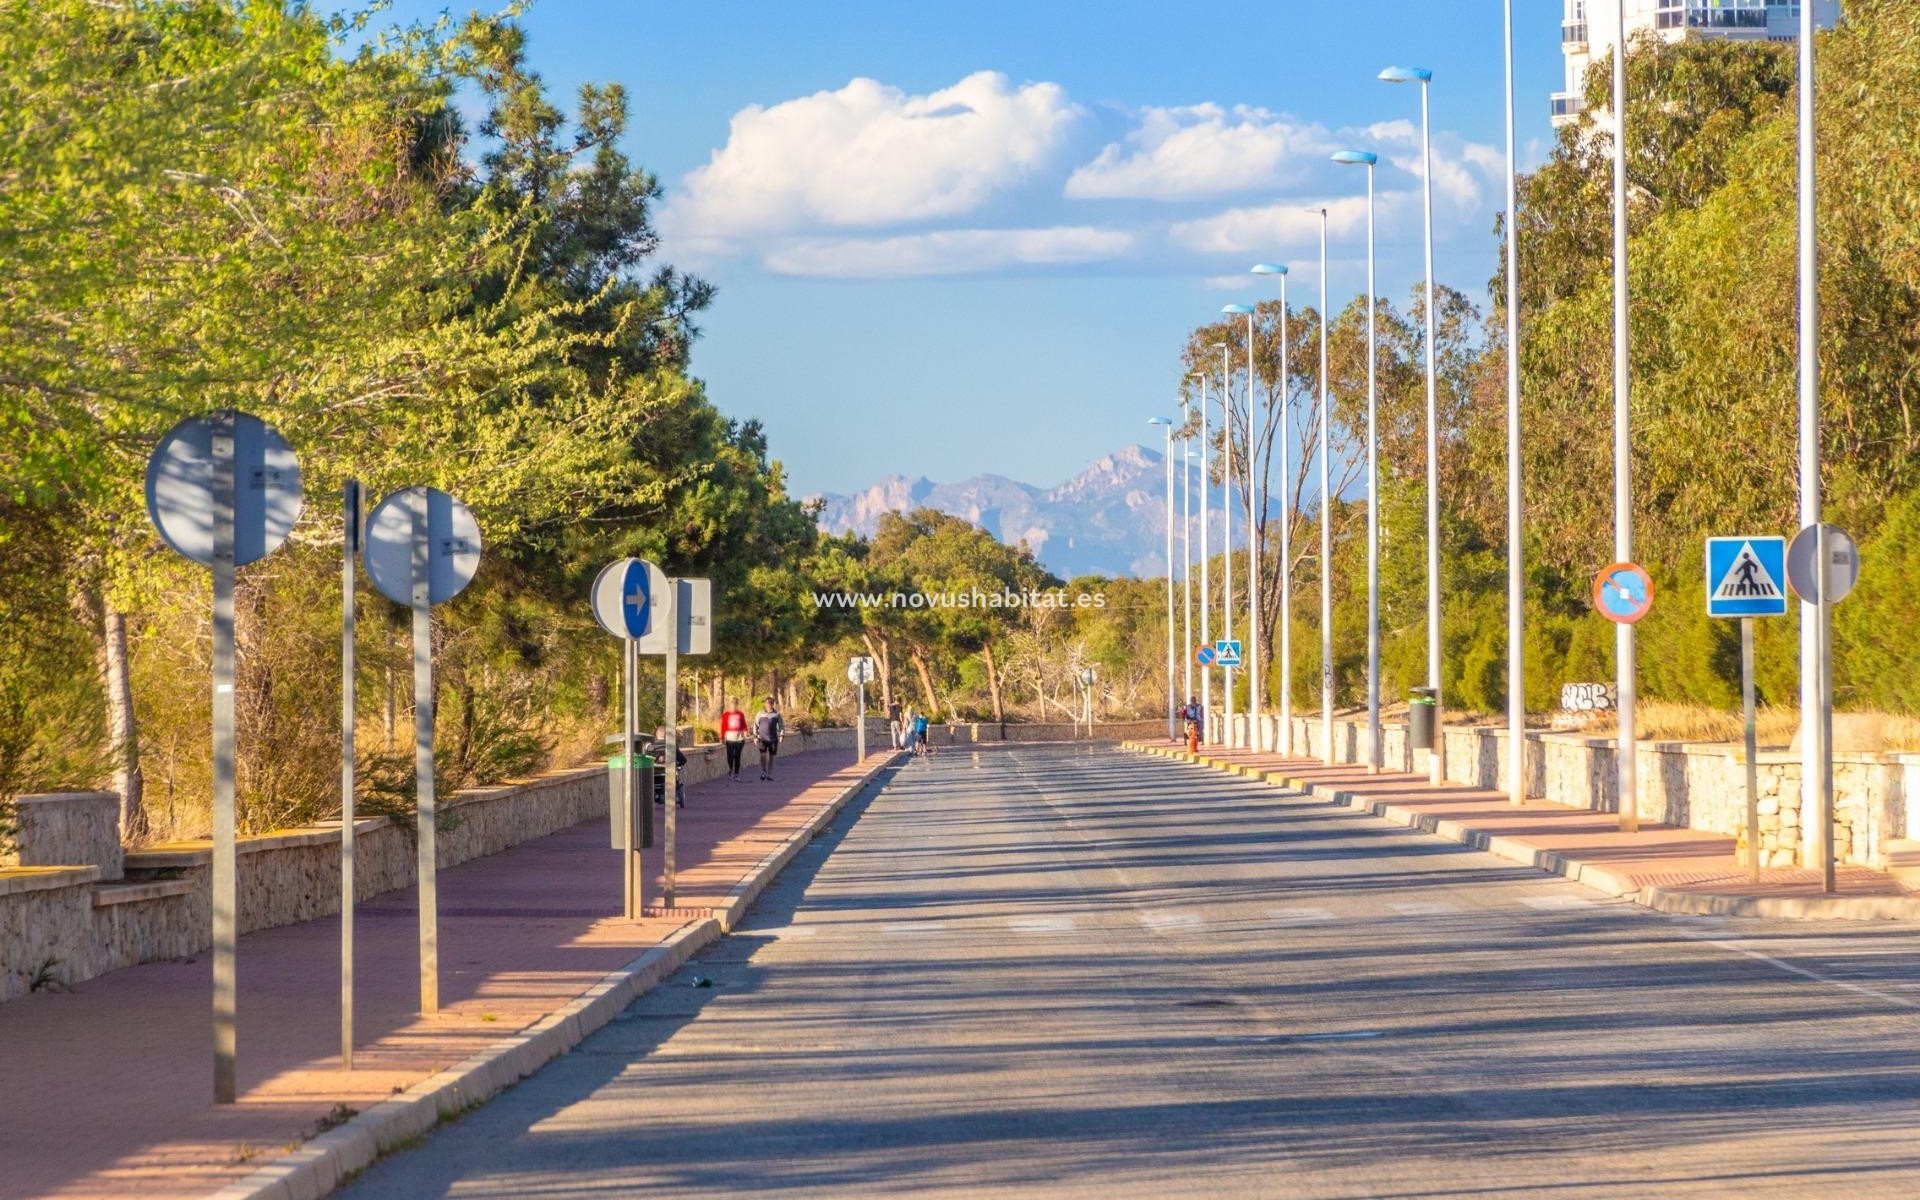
<point>1269,229</point>
<point>1201,150</point>
<point>946,252</point>
<point>871,155</point>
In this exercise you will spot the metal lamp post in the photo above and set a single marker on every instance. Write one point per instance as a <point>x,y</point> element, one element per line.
<point>1816,696</point>
<point>1206,581</point>
<point>1326,518</point>
<point>1367,159</point>
<point>1171,734</point>
<point>1186,541</point>
<point>1254,430</point>
<point>1516,575</point>
<point>1437,760</point>
<point>1284,392</point>
<point>1622,433</point>
<point>1226,530</point>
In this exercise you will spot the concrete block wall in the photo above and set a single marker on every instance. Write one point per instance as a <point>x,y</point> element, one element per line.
<point>1695,786</point>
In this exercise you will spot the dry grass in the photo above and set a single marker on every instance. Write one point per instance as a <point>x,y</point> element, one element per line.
<point>1853,733</point>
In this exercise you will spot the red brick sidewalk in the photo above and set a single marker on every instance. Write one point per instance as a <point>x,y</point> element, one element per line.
<point>1669,867</point>
<point>105,1092</point>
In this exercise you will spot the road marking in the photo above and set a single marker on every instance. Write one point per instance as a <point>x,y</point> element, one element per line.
<point>1425,908</point>
<point>1351,1035</point>
<point>1805,973</point>
<point>910,928</point>
<point>1299,915</point>
<point>1555,903</point>
<point>1042,924</point>
<point>1157,920</point>
<point>787,931</point>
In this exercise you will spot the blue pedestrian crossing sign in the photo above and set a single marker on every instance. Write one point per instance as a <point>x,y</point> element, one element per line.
<point>1746,577</point>
<point>1226,653</point>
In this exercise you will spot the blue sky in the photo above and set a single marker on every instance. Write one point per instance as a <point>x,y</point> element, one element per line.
<point>962,238</point>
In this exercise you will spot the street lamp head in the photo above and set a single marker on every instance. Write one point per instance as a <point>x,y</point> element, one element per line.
<point>1159,421</point>
<point>1407,75</point>
<point>1268,269</point>
<point>1237,310</point>
<point>1356,158</point>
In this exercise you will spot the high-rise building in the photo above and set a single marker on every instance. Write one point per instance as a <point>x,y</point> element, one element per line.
<point>1586,32</point>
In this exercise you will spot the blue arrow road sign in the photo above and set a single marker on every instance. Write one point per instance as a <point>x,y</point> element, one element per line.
<point>1746,577</point>
<point>1226,653</point>
<point>635,601</point>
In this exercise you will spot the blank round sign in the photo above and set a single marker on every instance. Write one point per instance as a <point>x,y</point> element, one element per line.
<point>452,545</point>
<point>266,487</point>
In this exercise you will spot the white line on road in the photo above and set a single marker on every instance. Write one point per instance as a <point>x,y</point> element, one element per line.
<point>910,928</point>
<point>1041,924</point>
<point>1299,915</point>
<point>1806,973</point>
<point>1425,908</point>
<point>1555,903</point>
<point>1169,920</point>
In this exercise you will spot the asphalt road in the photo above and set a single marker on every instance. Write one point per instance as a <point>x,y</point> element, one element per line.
<point>1075,972</point>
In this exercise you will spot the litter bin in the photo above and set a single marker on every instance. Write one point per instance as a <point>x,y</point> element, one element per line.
<point>617,814</point>
<point>1422,708</point>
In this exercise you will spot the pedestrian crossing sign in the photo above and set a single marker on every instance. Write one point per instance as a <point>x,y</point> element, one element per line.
<point>1746,577</point>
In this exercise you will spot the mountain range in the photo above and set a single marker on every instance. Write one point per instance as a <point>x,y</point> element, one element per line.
<point>1110,519</point>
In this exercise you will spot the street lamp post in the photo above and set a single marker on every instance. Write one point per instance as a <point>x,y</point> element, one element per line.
<point>1367,159</point>
<point>1253,543</point>
<point>1326,518</point>
<point>1516,575</point>
<point>1226,529</point>
<point>1206,582</point>
<point>1186,539</point>
<point>1437,759</point>
<point>1283,407</point>
<point>1172,735</point>
<point>1628,750</point>
<point>1816,668</point>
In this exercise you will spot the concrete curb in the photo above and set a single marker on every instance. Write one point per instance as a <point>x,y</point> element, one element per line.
<point>1659,899</point>
<point>325,1162</point>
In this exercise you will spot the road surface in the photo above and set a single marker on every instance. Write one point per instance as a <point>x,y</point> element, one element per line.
<point>1075,972</point>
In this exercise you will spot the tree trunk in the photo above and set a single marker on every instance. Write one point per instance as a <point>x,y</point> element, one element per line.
<point>882,652</point>
<point>926,682</point>
<point>123,728</point>
<point>993,683</point>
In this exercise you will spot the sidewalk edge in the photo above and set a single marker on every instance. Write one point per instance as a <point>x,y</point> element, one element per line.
<point>1674,901</point>
<point>323,1163</point>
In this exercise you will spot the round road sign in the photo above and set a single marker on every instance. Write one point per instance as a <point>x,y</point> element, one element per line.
<point>623,596</point>
<point>1623,593</point>
<point>266,486</point>
<point>1204,656</point>
<point>860,670</point>
<point>1842,570</point>
<point>452,539</point>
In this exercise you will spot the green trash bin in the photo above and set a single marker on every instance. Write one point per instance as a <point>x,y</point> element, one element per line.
<point>1422,709</point>
<point>617,814</point>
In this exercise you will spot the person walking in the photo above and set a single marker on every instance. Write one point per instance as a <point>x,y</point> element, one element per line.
<point>660,777</point>
<point>907,740</point>
<point>767,728</point>
<point>893,724</point>
<point>733,733</point>
<point>920,736</point>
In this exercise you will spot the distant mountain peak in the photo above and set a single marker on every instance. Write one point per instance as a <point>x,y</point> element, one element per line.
<point>1108,519</point>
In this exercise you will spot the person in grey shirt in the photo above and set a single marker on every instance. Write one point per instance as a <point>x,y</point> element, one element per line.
<point>767,728</point>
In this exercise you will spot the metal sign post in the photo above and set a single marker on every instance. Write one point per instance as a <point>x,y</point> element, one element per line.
<point>1745,579</point>
<point>1823,564</point>
<point>859,671</point>
<point>350,544</point>
<point>1624,593</point>
<point>422,549</point>
<point>223,491</point>
<point>622,601</point>
<point>670,618</point>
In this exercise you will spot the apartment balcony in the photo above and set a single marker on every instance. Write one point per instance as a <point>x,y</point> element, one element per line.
<point>1567,105</point>
<point>1573,33</point>
<point>1699,16</point>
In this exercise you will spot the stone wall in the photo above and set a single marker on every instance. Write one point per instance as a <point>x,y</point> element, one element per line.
<point>1695,786</point>
<point>73,919</point>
